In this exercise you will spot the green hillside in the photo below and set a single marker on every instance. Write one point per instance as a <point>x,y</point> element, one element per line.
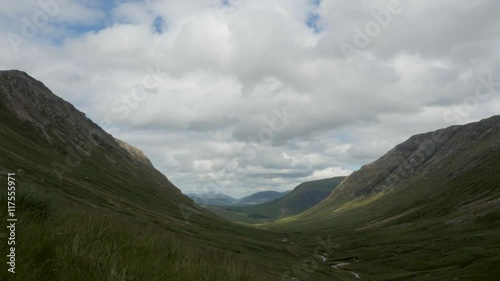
<point>301,198</point>
<point>437,218</point>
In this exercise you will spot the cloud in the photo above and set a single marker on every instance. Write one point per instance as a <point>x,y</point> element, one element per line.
<point>202,86</point>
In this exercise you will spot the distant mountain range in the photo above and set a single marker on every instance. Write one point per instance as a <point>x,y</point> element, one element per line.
<point>261,197</point>
<point>219,199</point>
<point>301,198</point>
<point>212,199</point>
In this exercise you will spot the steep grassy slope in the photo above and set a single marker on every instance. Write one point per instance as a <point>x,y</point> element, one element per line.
<point>50,140</point>
<point>301,198</point>
<point>427,210</point>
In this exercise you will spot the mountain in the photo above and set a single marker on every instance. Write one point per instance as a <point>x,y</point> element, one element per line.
<point>90,207</point>
<point>440,157</point>
<point>261,197</point>
<point>45,136</point>
<point>429,209</point>
<point>219,199</point>
<point>301,198</point>
<point>213,199</point>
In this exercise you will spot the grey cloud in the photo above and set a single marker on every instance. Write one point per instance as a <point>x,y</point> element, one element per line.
<point>223,72</point>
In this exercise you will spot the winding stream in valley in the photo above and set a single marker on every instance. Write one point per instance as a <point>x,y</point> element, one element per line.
<point>339,265</point>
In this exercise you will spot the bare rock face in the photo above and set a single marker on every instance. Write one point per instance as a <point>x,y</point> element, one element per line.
<point>135,152</point>
<point>57,120</point>
<point>425,155</point>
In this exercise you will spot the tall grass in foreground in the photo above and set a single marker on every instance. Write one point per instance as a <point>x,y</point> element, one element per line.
<point>88,247</point>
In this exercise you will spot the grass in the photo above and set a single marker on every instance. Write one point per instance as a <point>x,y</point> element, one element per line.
<point>88,246</point>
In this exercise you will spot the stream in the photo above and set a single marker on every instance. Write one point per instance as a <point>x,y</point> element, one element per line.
<point>339,265</point>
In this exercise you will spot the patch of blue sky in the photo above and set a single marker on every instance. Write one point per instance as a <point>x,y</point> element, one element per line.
<point>313,21</point>
<point>86,28</point>
<point>66,31</point>
<point>108,5</point>
<point>227,3</point>
<point>159,25</point>
<point>72,30</point>
<point>343,137</point>
<point>316,3</point>
<point>353,167</point>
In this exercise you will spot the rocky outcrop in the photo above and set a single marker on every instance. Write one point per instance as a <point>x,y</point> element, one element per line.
<point>135,152</point>
<point>420,156</point>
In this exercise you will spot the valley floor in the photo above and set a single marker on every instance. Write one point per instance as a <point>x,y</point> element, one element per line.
<point>91,246</point>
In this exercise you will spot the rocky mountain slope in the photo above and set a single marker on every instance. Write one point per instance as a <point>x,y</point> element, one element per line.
<point>443,155</point>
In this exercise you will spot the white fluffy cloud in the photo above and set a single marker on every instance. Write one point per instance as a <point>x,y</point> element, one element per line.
<point>241,96</point>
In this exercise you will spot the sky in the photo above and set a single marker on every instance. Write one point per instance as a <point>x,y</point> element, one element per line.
<point>241,96</point>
